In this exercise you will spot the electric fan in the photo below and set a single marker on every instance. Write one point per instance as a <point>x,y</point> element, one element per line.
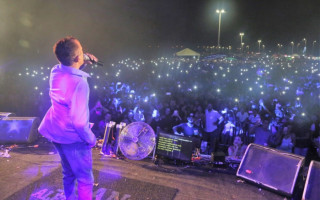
<point>137,140</point>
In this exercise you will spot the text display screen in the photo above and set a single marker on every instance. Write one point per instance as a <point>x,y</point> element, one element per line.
<point>174,146</point>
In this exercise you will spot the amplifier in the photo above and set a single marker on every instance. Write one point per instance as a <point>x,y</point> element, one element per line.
<point>274,169</point>
<point>19,129</point>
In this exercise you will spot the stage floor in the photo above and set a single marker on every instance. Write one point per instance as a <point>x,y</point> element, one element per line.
<point>35,173</point>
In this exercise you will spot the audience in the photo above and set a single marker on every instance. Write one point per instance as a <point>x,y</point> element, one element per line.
<point>287,139</point>
<point>163,92</point>
<point>302,142</point>
<point>188,129</point>
<point>211,131</point>
<point>261,133</point>
<point>237,150</point>
<point>228,132</point>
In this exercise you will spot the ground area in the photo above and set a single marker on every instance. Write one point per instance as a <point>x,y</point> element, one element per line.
<point>34,172</point>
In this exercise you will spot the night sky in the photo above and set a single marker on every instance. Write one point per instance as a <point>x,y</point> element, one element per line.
<point>115,29</point>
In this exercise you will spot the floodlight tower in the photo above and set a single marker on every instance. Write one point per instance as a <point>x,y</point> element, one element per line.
<point>241,35</point>
<point>259,42</point>
<point>305,42</point>
<point>313,47</point>
<point>220,13</point>
<point>292,45</point>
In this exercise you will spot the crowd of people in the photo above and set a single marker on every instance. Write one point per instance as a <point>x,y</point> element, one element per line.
<point>232,100</point>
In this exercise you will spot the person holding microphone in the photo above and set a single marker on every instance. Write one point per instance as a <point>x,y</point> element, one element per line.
<point>66,123</point>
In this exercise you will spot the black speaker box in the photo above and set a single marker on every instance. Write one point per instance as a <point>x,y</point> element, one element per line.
<point>274,169</point>
<point>4,115</point>
<point>19,130</point>
<point>312,187</point>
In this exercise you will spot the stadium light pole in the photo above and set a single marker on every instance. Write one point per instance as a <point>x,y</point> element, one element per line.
<point>305,46</point>
<point>279,46</point>
<point>241,35</point>
<point>292,45</point>
<point>313,47</point>
<point>305,42</point>
<point>259,42</point>
<point>220,13</point>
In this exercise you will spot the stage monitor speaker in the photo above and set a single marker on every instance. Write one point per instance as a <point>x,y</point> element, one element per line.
<point>16,130</point>
<point>312,187</point>
<point>4,115</point>
<point>274,169</point>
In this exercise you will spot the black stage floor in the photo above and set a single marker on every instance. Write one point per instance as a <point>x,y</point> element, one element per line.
<point>34,173</point>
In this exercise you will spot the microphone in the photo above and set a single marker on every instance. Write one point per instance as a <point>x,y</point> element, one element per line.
<point>87,58</point>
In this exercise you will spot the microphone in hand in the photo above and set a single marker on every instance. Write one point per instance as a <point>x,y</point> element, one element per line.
<point>91,58</point>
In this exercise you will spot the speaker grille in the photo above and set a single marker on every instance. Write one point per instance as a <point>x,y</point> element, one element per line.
<point>19,129</point>
<point>312,186</point>
<point>269,167</point>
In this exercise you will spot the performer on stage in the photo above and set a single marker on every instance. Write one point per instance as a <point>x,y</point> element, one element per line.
<point>66,123</point>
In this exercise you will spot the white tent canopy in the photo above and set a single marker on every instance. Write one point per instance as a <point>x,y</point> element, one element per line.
<point>188,52</point>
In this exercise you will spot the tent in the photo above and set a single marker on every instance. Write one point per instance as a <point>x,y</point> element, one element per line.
<point>188,52</point>
<point>295,55</point>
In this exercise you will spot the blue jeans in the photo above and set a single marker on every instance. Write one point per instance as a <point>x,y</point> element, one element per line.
<point>76,161</point>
